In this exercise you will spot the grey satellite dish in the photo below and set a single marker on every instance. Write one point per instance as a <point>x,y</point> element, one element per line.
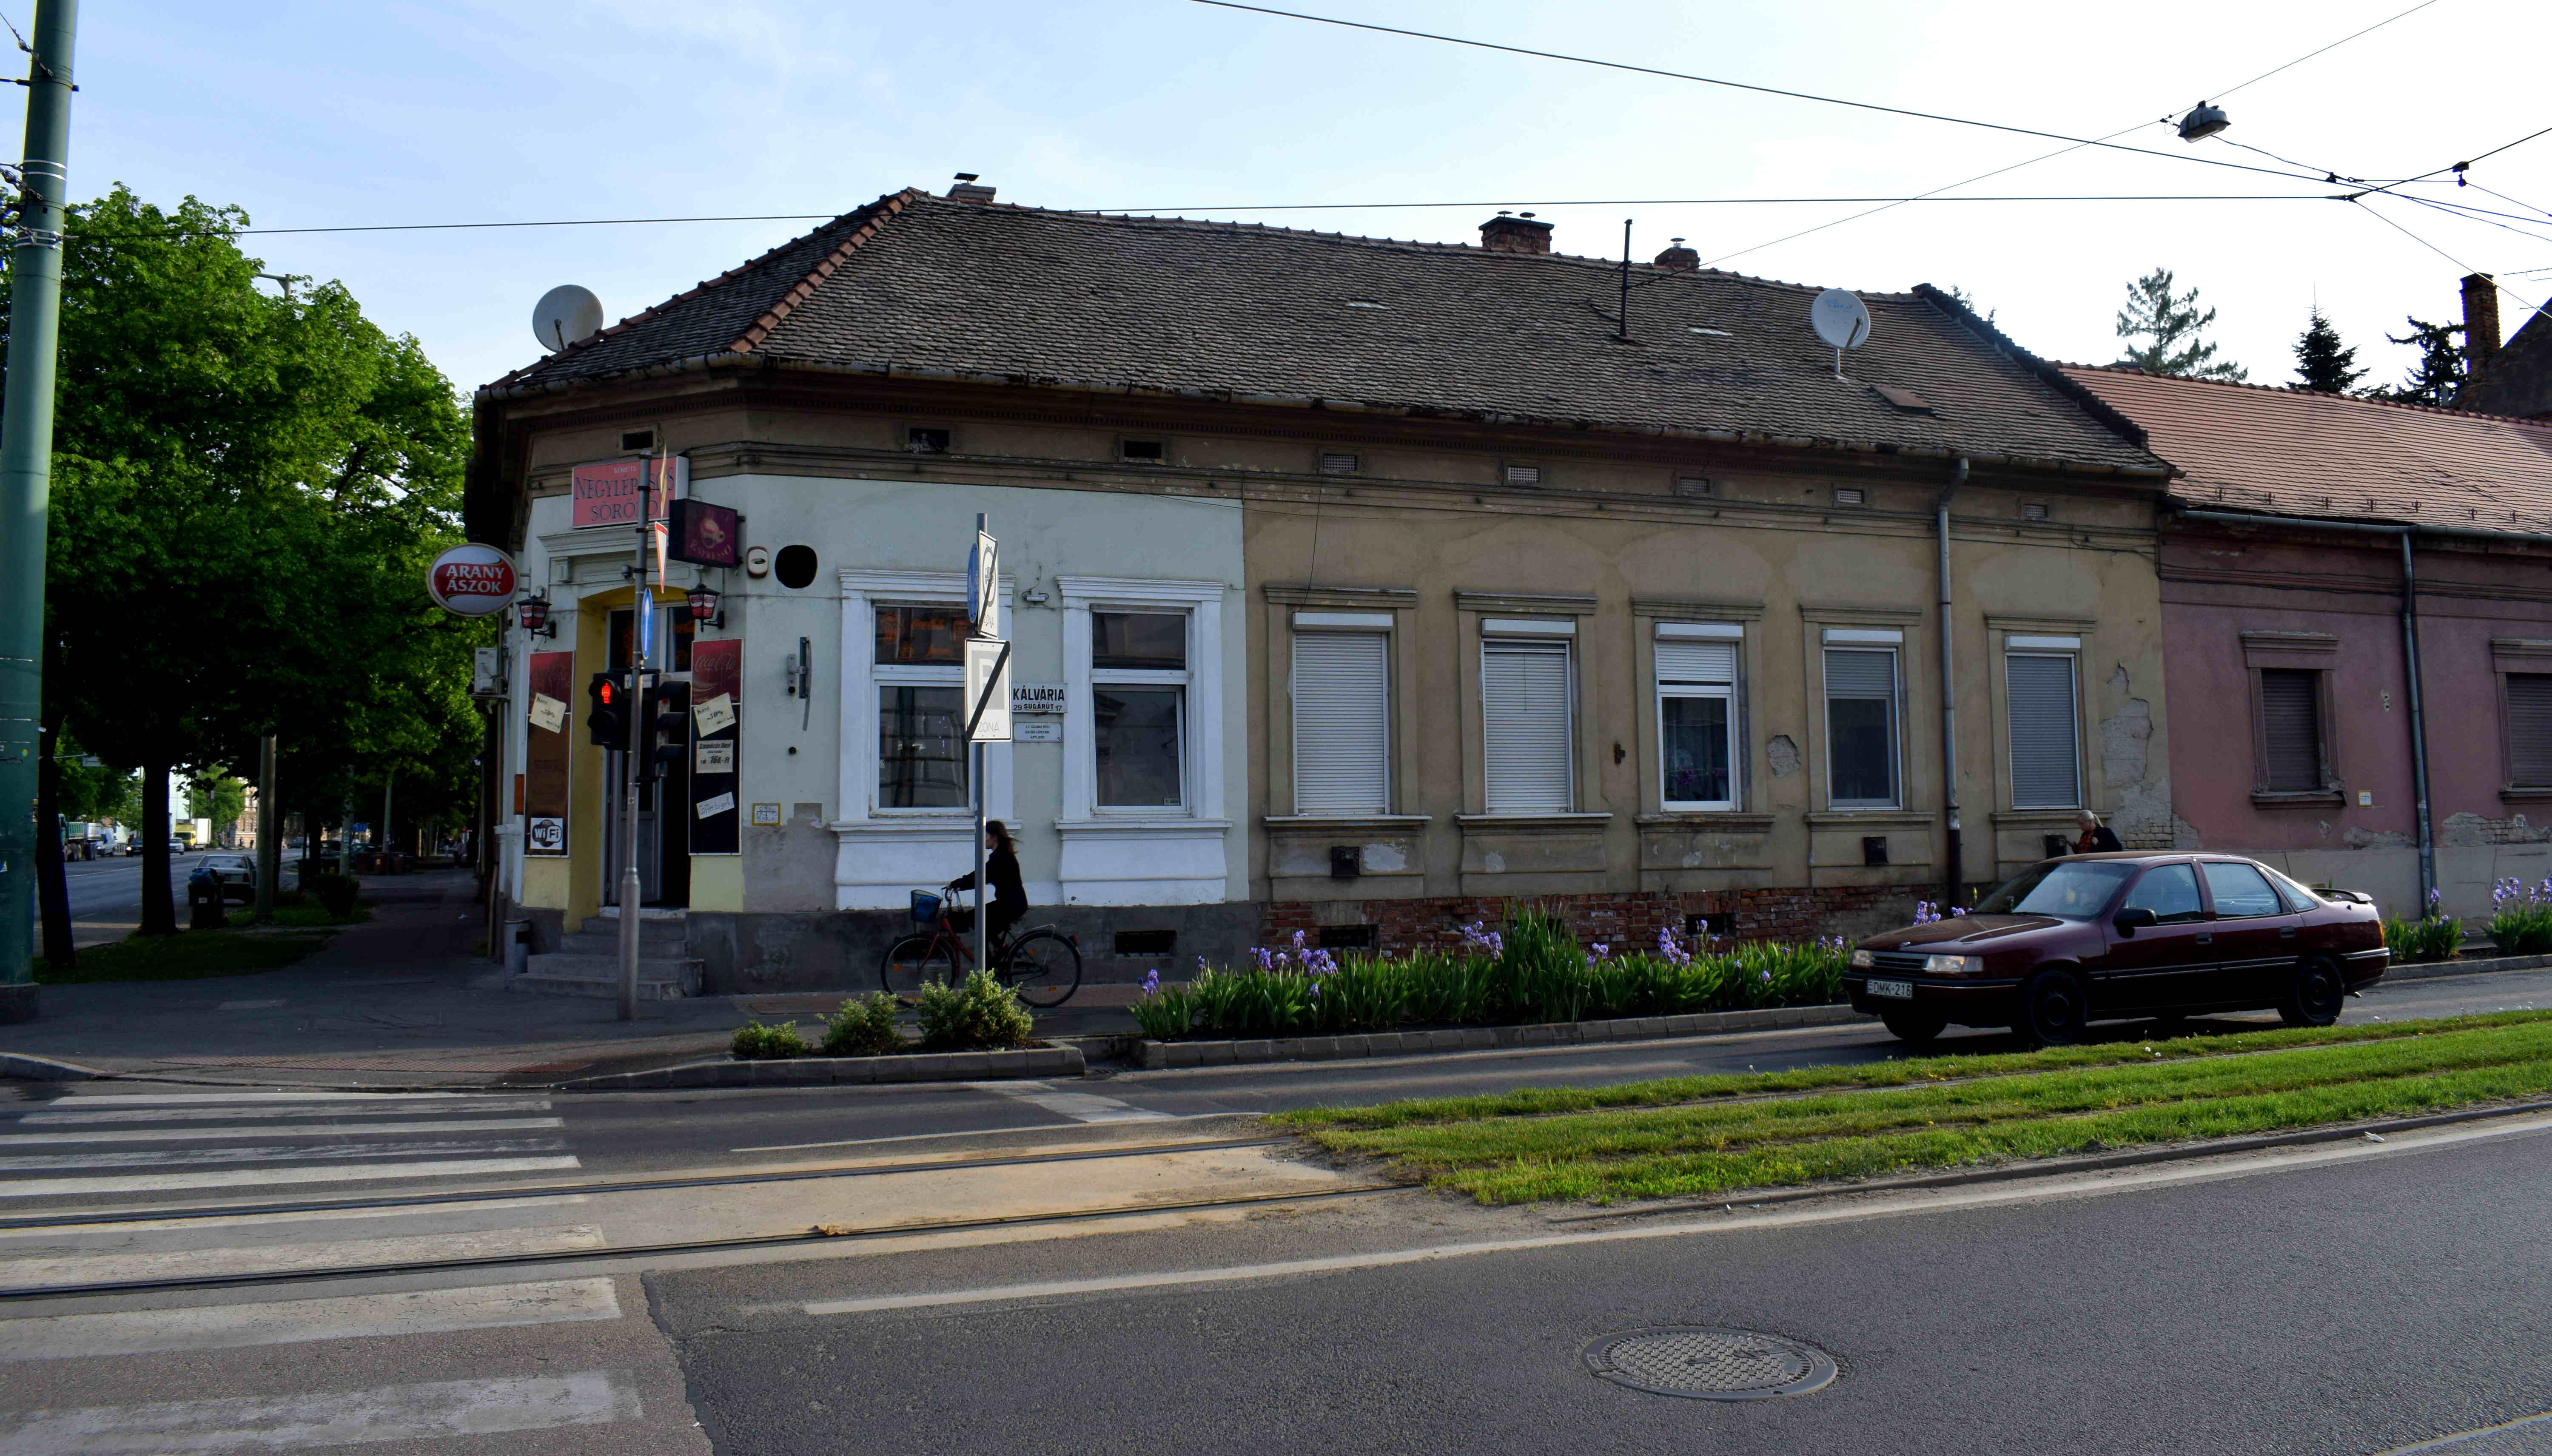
<point>1840,320</point>
<point>566,314</point>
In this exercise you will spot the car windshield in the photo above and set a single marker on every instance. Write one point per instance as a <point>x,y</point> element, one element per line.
<point>2071,889</point>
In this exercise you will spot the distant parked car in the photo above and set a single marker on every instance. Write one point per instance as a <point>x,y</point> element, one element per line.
<point>2103,937</point>
<point>235,874</point>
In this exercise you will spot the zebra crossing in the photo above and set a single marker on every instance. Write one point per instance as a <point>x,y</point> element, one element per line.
<point>411,1367</point>
<point>139,1143</point>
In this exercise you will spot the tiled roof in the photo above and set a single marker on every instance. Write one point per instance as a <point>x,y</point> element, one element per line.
<point>2300,452</point>
<point>924,286</point>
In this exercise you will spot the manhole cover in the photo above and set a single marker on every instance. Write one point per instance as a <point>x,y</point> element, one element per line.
<point>1710,1364</point>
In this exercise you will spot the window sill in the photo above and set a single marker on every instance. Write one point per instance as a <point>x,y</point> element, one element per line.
<point>1552,823</point>
<point>1727,819</point>
<point>1280,822</point>
<point>2280,799</point>
<point>2526,793</point>
<point>1138,824</point>
<point>1884,818</point>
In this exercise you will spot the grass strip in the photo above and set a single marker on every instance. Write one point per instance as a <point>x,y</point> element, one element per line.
<point>1909,1071</point>
<point>1685,1151</point>
<point>185,956</point>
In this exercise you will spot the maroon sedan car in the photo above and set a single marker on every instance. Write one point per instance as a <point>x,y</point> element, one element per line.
<point>2102,937</point>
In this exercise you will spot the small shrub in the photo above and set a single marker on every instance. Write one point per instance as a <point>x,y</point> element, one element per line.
<point>863,1027</point>
<point>337,893</point>
<point>2428,938</point>
<point>2520,921</point>
<point>1165,1011</point>
<point>977,1014</point>
<point>755,1042</point>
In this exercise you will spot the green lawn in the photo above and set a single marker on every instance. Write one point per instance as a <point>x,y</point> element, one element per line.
<point>1692,1136</point>
<point>183,957</point>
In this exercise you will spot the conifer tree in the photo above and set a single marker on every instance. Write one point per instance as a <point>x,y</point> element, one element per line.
<point>2322,361</point>
<point>2439,375</point>
<point>2170,324</point>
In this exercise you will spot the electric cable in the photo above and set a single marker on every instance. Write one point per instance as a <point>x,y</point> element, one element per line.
<point>2484,220</point>
<point>2522,302</point>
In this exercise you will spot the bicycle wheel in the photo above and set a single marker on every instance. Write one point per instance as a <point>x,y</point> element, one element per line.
<point>914,960</point>
<point>1043,967</point>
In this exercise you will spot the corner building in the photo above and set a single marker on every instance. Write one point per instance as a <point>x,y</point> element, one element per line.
<point>1372,585</point>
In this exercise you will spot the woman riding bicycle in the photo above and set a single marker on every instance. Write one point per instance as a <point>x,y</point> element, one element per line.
<point>1002,868</point>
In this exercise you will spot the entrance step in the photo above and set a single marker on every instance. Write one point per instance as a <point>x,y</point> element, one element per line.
<point>658,940</point>
<point>569,973</point>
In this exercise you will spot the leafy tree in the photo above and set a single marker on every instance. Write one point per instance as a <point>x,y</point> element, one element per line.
<point>218,797</point>
<point>2322,361</point>
<point>1967,301</point>
<point>248,484</point>
<point>2170,325</point>
<point>2438,377</point>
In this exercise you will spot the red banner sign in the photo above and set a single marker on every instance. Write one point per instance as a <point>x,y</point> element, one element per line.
<point>608,493</point>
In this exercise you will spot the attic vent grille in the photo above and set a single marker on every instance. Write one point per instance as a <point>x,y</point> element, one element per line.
<point>2033,510</point>
<point>1691,486</point>
<point>1904,399</point>
<point>1335,462</point>
<point>1524,475</point>
<point>1149,450</point>
<point>1851,496</point>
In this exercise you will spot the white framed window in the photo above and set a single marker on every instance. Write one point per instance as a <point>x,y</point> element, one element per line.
<point>2043,721</point>
<point>1139,708</point>
<point>922,754</point>
<point>1528,717</point>
<point>1341,701</point>
<point>1865,758</point>
<point>1696,690</point>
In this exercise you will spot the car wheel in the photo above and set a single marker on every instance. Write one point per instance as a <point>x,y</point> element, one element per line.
<point>1921,1028</point>
<point>2053,1009</point>
<point>2314,996</point>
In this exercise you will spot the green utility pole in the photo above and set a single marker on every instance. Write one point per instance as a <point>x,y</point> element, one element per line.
<point>25,483</point>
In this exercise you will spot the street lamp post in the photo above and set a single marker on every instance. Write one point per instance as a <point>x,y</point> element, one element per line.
<point>25,483</point>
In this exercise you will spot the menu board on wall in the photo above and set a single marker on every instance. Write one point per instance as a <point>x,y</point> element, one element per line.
<point>718,682</point>
<point>545,754</point>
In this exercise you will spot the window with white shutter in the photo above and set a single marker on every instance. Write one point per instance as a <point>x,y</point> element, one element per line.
<point>2291,717</point>
<point>2529,729</point>
<point>1342,723</point>
<point>1696,717</point>
<point>2046,742</point>
<point>1861,727</point>
<point>1528,742</point>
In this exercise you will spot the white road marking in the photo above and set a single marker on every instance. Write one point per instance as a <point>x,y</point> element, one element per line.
<point>45,1161</point>
<point>298,1321</point>
<point>298,1216</point>
<point>151,1183</point>
<point>266,1258</point>
<point>1079,1106</point>
<point>2084,1185</point>
<point>2484,1439</point>
<point>323,1129</point>
<point>446,1408</point>
<point>181,1100</point>
<point>52,1116</point>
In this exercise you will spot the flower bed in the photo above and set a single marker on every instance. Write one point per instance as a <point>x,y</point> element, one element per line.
<point>1532,970</point>
<point>2434,936</point>
<point>2520,921</point>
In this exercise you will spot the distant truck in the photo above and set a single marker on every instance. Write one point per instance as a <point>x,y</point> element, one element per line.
<point>83,840</point>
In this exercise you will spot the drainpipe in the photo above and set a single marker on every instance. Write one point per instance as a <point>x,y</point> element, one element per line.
<point>2410,642</point>
<point>1949,687</point>
<point>2418,722</point>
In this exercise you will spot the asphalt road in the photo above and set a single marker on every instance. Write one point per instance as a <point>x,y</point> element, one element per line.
<point>106,895</point>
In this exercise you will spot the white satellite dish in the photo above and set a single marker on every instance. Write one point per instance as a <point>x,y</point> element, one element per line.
<point>566,314</point>
<point>1840,320</point>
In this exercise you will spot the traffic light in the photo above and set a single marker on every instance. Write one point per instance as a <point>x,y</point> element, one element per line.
<point>607,711</point>
<point>668,725</point>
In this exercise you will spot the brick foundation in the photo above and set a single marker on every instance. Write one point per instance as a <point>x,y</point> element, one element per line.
<point>1624,919</point>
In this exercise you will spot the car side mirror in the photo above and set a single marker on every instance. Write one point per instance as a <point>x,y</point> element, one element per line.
<point>2135,918</point>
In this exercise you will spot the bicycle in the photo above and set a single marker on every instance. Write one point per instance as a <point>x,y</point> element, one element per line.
<point>1039,964</point>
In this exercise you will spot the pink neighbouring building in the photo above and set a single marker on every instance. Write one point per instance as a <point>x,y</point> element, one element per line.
<point>2313,544</point>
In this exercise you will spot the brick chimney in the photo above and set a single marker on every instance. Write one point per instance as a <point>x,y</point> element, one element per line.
<point>967,189</point>
<point>1680,258</point>
<point>1510,232</point>
<point>2481,325</point>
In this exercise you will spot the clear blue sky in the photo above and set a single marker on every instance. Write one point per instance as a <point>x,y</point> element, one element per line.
<point>401,110</point>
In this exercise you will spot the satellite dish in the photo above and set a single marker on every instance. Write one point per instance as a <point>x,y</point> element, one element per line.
<point>566,314</point>
<point>1840,320</point>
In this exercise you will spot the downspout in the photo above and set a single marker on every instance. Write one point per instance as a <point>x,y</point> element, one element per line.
<point>2409,643</point>
<point>1948,689</point>
<point>2418,724</point>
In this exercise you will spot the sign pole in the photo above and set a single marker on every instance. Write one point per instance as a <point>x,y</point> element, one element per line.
<point>641,635</point>
<point>26,483</point>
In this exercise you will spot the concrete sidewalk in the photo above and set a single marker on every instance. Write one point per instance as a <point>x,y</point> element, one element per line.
<point>403,1001</point>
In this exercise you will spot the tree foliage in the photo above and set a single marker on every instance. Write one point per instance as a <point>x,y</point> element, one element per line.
<point>2322,361</point>
<point>250,478</point>
<point>2171,328</point>
<point>2438,377</point>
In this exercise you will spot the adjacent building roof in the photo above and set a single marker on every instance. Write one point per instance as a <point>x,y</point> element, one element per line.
<point>2518,381</point>
<point>2303,453</point>
<point>929,287</point>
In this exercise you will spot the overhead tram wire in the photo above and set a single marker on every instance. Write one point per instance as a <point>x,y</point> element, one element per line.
<point>2523,302</point>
